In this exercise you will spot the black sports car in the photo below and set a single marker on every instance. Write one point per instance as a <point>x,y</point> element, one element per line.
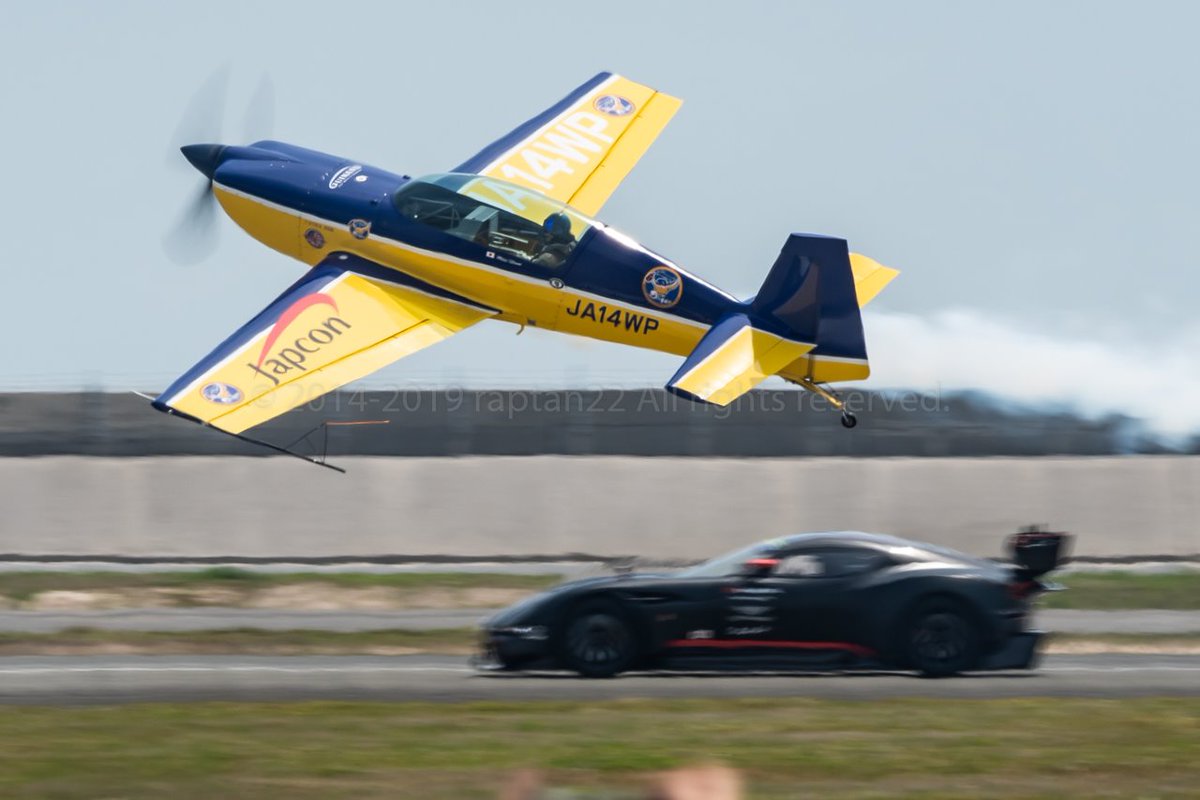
<point>813,601</point>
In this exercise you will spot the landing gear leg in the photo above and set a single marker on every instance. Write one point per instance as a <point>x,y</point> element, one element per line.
<point>848,418</point>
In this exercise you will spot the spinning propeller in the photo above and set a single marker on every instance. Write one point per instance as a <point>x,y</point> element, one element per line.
<point>194,236</point>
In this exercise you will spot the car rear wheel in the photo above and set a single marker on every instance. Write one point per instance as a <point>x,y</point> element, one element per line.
<point>598,642</point>
<point>941,640</point>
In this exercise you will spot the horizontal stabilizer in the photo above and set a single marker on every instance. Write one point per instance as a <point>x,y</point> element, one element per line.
<point>731,359</point>
<point>870,277</point>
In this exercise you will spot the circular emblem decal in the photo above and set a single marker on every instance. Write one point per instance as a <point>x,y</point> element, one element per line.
<point>614,105</point>
<point>224,393</point>
<point>662,287</point>
<point>315,238</point>
<point>359,228</point>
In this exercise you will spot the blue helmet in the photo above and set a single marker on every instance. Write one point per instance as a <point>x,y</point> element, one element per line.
<point>558,224</point>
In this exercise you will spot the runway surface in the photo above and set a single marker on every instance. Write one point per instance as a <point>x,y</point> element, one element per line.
<point>67,680</point>
<point>201,619</point>
<point>197,619</point>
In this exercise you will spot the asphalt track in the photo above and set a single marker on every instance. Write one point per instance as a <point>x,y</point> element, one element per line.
<point>183,620</point>
<point>210,618</point>
<point>70,680</point>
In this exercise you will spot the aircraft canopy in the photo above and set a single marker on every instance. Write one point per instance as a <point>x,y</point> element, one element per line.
<point>490,212</point>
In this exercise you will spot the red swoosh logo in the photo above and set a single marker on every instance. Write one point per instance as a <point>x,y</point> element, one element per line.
<point>289,315</point>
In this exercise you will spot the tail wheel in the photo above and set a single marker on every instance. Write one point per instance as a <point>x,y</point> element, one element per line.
<point>941,639</point>
<point>598,642</point>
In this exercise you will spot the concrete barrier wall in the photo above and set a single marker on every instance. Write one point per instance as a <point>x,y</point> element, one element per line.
<point>677,508</point>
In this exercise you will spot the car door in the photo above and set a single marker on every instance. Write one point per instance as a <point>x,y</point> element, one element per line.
<point>818,602</point>
<point>679,611</point>
<point>750,609</point>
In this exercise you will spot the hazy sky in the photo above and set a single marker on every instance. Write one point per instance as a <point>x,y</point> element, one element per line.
<point>1031,167</point>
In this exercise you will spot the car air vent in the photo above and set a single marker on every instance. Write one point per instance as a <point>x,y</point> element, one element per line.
<point>648,598</point>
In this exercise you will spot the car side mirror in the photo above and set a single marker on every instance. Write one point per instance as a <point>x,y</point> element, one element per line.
<point>754,568</point>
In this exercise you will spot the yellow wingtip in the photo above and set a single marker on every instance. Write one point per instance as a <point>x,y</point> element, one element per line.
<point>625,152</point>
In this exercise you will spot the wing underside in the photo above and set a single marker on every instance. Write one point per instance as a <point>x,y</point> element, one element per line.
<point>342,321</point>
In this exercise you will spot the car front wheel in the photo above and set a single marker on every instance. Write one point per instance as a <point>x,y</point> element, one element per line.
<point>941,640</point>
<point>597,641</point>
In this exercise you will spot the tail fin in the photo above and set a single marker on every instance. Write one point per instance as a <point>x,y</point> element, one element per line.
<point>814,292</point>
<point>803,324</point>
<point>809,295</point>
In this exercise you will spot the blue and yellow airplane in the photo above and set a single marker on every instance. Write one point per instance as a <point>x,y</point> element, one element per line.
<point>510,234</point>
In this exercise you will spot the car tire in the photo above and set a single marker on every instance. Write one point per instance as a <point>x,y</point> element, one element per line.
<point>597,640</point>
<point>940,639</point>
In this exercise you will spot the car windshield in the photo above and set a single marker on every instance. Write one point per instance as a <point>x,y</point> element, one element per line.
<point>728,564</point>
<point>501,216</point>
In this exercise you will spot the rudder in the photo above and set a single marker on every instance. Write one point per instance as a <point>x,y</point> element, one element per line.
<point>809,295</point>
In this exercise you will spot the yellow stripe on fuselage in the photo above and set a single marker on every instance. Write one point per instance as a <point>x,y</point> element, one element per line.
<point>826,369</point>
<point>276,227</point>
<point>521,299</point>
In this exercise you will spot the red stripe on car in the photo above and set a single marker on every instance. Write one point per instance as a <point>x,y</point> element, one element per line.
<point>725,644</point>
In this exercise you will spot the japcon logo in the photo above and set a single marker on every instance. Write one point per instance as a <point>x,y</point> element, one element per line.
<point>344,174</point>
<point>296,351</point>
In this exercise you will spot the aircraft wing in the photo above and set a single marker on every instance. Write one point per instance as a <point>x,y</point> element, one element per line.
<point>581,148</point>
<point>346,318</point>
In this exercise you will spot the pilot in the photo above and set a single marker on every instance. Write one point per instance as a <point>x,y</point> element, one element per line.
<point>556,241</point>
<point>411,209</point>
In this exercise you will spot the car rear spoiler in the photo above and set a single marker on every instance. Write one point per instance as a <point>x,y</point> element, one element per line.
<point>1036,552</point>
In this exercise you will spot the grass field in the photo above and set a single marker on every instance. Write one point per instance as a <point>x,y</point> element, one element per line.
<point>21,586</point>
<point>90,641</point>
<point>231,586</point>
<point>785,748</point>
<point>1120,590</point>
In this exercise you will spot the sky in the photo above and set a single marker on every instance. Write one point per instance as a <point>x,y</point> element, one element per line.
<point>1030,167</point>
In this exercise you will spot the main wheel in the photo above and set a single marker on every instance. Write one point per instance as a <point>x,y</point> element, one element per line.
<point>940,639</point>
<point>848,420</point>
<point>597,641</point>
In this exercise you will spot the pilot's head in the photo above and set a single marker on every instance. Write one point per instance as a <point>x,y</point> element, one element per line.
<point>557,226</point>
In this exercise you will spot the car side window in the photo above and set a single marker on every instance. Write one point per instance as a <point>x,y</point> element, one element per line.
<point>830,563</point>
<point>800,565</point>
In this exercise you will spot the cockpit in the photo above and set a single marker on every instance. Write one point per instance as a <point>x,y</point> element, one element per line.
<point>498,215</point>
